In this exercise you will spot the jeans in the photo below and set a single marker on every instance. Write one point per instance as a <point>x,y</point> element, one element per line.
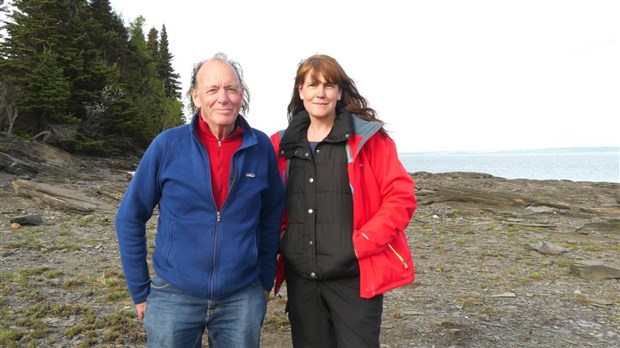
<point>174,318</point>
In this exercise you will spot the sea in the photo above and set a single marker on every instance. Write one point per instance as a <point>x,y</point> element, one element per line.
<point>595,164</point>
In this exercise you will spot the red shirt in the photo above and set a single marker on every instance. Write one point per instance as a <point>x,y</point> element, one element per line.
<point>220,156</point>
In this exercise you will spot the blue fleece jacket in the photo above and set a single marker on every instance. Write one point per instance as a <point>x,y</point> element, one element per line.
<point>203,251</point>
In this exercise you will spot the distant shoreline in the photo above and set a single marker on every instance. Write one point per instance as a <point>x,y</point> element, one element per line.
<point>593,164</point>
<point>559,150</point>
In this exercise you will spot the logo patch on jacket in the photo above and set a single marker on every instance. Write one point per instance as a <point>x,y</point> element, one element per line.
<point>250,175</point>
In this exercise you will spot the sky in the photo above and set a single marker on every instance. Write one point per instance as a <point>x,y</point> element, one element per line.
<point>449,75</point>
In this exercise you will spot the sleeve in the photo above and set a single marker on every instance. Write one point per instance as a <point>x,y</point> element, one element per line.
<point>389,198</point>
<point>136,208</point>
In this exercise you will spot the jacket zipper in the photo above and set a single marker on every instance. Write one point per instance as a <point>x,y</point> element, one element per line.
<point>399,257</point>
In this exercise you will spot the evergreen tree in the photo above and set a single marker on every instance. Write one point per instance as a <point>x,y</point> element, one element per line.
<point>85,67</point>
<point>153,44</point>
<point>64,58</point>
<point>173,86</point>
<point>60,27</point>
<point>140,81</point>
<point>46,94</point>
<point>112,33</point>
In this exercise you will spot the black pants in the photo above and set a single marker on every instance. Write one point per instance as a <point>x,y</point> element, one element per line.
<point>331,313</point>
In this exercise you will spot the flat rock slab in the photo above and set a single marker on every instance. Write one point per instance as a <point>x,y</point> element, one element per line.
<point>595,270</point>
<point>59,197</point>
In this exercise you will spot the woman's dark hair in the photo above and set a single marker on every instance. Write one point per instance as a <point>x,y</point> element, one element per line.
<point>333,73</point>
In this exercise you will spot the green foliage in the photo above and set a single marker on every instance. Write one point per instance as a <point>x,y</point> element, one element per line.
<point>173,86</point>
<point>86,81</point>
<point>46,92</point>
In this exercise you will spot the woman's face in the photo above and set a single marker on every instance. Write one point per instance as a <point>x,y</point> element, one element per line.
<point>320,98</point>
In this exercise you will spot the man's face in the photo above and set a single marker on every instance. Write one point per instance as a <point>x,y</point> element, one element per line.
<point>218,94</point>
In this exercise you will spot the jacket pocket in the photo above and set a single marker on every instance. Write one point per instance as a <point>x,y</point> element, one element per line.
<point>170,245</point>
<point>158,282</point>
<point>402,260</point>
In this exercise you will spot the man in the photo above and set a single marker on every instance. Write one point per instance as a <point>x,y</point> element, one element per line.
<point>220,199</point>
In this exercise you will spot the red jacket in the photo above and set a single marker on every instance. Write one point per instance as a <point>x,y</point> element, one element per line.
<point>383,204</point>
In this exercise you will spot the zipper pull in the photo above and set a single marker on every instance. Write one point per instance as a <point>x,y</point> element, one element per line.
<point>219,216</point>
<point>399,257</point>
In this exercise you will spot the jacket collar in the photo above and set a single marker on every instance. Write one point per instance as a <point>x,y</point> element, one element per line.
<point>296,133</point>
<point>249,137</point>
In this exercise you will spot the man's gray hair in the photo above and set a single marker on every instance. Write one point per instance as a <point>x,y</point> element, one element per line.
<point>245,106</point>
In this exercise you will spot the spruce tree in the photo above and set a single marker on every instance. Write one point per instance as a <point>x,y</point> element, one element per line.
<point>38,29</point>
<point>112,33</point>
<point>46,95</point>
<point>152,43</point>
<point>173,86</point>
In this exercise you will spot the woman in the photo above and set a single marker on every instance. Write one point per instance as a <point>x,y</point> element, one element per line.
<point>349,200</point>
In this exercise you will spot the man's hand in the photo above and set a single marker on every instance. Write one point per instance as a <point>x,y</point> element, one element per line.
<point>140,308</point>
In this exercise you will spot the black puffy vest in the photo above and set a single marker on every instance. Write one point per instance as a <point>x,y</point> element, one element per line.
<point>318,242</point>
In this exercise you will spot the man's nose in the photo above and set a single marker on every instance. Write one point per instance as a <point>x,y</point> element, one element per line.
<point>222,96</point>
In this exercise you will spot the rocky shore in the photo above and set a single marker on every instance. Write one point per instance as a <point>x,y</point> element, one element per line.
<point>511,263</point>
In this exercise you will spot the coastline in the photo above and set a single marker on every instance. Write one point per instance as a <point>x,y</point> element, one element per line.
<point>584,164</point>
